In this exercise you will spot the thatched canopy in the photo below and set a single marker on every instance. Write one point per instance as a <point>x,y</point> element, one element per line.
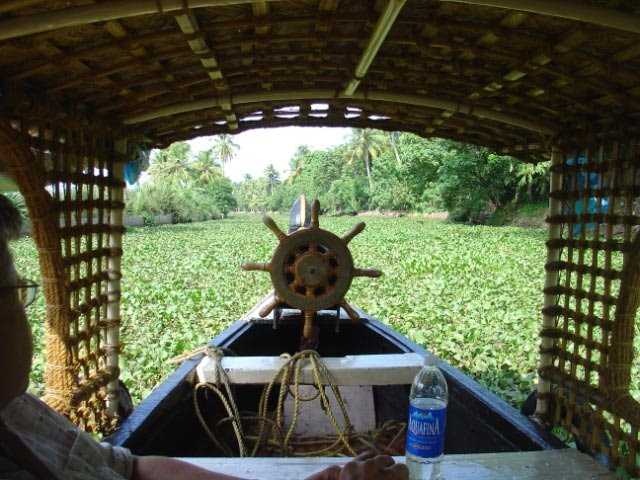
<point>510,74</point>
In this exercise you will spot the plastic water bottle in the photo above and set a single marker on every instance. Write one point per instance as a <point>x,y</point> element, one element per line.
<point>427,422</point>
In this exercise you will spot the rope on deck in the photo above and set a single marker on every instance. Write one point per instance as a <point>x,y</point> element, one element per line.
<point>272,433</point>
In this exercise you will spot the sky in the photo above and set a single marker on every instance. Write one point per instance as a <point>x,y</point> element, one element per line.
<point>261,147</point>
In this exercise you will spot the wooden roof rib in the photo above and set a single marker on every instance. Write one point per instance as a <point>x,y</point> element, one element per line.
<point>514,75</point>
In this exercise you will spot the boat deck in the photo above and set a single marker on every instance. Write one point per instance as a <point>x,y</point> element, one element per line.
<point>479,421</point>
<point>542,465</point>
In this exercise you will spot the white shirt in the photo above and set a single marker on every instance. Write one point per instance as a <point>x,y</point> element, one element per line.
<point>62,447</point>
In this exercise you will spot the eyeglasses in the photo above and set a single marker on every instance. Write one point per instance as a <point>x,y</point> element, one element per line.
<point>27,291</point>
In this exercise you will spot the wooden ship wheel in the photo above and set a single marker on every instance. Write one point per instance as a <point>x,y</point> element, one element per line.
<point>311,270</point>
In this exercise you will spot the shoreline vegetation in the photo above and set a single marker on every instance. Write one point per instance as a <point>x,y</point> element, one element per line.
<point>372,171</point>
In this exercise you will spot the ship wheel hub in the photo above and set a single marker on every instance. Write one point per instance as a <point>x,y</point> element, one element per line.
<point>312,269</point>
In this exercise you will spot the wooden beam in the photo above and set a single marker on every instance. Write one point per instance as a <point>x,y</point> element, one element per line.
<point>173,110</point>
<point>551,281</point>
<point>491,135</point>
<point>116,9</point>
<point>469,136</point>
<point>567,9</point>
<point>327,95</point>
<point>113,343</point>
<point>9,6</point>
<point>261,9</point>
<point>188,23</point>
<point>388,369</point>
<point>540,465</point>
<point>380,32</point>
<point>102,12</point>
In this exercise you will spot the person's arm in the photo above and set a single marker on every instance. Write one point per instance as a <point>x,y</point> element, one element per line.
<point>162,468</point>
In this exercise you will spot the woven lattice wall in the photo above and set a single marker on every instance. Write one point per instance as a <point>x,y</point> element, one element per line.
<point>67,177</point>
<point>592,292</point>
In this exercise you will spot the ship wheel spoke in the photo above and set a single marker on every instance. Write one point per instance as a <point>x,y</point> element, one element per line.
<point>256,267</point>
<point>331,258</point>
<point>268,307</point>
<point>313,247</point>
<point>271,225</point>
<point>353,315</point>
<point>357,230</point>
<point>366,272</point>
<point>315,214</point>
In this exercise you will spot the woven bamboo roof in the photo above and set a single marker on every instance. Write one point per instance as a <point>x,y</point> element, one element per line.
<point>510,74</point>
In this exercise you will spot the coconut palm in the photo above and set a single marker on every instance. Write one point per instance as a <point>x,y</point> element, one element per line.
<point>363,146</point>
<point>172,164</point>
<point>206,166</point>
<point>273,178</point>
<point>225,148</point>
<point>393,138</point>
<point>532,178</point>
<point>297,162</point>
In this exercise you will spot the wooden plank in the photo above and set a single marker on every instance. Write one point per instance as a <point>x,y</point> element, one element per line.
<point>550,464</point>
<point>389,369</point>
<point>313,421</point>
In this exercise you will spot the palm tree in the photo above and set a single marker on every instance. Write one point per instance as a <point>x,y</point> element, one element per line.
<point>393,138</point>
<point>172,163</point>
<point>297,162</point>
<point>225,148</point>
<point>532,177</point>
<point>364,145</point>
<point>206,166</point>
<point>273,178</point>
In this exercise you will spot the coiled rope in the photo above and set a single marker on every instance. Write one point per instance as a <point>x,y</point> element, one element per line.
<point>272,432</point>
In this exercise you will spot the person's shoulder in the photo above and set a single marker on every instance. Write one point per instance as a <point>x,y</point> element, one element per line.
<point>24,403</point>
<point>29,411</point>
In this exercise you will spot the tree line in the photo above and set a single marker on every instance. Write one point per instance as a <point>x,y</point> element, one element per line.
<point>190,187</point>
<point>370,170</point>
<point>374,170</point>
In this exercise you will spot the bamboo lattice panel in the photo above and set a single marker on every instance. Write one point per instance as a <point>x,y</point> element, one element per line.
<point>596,295</point>
<point>71,221</point>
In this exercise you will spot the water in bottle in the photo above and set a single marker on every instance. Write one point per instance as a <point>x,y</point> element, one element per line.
<point>427,421</point>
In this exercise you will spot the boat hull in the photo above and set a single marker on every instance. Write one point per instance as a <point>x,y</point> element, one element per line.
<point>478,421</point>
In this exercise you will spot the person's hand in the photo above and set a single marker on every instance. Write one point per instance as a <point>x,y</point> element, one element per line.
<point>366,466</point>
<point>331,473</point>
<point>369,466</point>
